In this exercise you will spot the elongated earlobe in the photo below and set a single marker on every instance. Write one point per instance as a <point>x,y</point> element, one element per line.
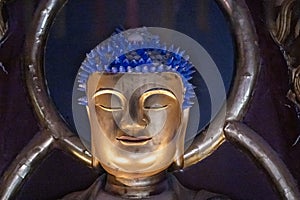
<point>95,163</point>
<point>179,160</point>
<point>177,164</point>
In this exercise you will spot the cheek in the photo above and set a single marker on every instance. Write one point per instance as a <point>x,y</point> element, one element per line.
<point>108,121</point>
<point>157,121</point>
<point>172,124</point>
<point>164,124</point>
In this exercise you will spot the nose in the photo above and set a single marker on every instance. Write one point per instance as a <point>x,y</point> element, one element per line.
<point>131,127</point>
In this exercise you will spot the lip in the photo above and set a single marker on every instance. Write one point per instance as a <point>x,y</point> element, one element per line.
<point>131,140</point>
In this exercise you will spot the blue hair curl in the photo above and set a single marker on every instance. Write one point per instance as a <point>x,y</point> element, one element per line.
<point>139,52</point>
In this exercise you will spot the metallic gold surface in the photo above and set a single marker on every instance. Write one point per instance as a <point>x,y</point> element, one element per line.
<point>247,68</point>
<point>137,122</point>
<point>137,188</point>
<point>46,112</point>
<point>3,23</point>
<point>55,134</point>
<point>259,150</point>
<point>280,22</point>
<point>283,21</point>
<point>294,92</point>
<point>25,163</point>
<point>50,119</point>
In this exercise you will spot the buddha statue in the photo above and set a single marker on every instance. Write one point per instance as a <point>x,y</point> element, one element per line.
<point>137,97</point>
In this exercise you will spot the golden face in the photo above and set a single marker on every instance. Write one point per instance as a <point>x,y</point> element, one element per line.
<point>135,121</point>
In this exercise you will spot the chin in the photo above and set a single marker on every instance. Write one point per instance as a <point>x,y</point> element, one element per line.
<point>132,174</point>
<point>136,168</point>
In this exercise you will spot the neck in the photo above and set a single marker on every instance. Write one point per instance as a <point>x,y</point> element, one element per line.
<point>138,187</point>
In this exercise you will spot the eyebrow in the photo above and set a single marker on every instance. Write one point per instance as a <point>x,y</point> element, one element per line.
<point>105,90</point>
<point>153,89</point>
<point>161,89</point>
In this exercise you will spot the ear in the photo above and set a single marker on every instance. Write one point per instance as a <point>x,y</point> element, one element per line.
<point>179,155</point>
<point>95,163</point>
<point>92,83</point>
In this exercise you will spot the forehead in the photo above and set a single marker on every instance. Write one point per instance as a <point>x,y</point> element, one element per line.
<point>129,82</point>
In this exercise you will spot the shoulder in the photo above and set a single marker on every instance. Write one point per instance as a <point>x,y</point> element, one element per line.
<point>206,195</point>
<point>188,194</point>
<point>89,193</point>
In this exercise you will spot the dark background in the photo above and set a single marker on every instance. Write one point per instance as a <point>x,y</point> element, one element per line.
<point>227,171</point>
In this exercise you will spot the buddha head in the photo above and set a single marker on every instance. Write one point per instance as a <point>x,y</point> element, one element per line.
<point>137,95</point>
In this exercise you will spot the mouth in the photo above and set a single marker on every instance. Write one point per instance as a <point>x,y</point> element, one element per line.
<point>130,140</point>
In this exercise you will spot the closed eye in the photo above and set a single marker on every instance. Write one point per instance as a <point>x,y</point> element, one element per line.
<point>156,107</point>
<point>109,100</point>
<point>157,99</point>
<point>110,109</point>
